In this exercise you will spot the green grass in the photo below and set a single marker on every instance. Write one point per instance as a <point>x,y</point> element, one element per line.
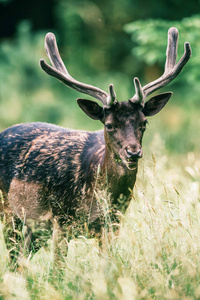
<point>155,256</point>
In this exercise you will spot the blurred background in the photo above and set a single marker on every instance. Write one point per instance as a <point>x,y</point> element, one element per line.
<point>101,42</point>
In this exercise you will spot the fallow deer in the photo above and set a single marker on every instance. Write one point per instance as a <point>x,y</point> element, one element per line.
<point>48,172</point>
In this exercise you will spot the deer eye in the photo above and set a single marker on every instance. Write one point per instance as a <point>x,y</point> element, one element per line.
<point>109,127</point>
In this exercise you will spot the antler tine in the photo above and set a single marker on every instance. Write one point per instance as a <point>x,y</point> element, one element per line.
<point>171,68</point>
<point>171,52</point>
<point>60,72</point>
<point>53,53</point>
<point>167,77</point>
<point>139,95</point>
<point>112,96</point>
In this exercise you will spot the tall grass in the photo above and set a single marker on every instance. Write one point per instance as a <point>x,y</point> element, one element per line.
<point>155,255</point>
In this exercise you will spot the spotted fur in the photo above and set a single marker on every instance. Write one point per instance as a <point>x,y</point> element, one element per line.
<point>50,173</point>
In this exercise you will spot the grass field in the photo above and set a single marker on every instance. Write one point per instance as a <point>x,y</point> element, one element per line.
<point>155,256</point>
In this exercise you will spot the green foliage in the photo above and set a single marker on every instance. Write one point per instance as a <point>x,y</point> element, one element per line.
<point>20,74</point>
<point>28,94</point>
<point>179,123</point>
<point>97,51</point>
<point>150,40</point>
<point>156,255</point>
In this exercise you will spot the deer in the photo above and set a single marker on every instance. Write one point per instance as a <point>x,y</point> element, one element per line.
<point>48,173</point>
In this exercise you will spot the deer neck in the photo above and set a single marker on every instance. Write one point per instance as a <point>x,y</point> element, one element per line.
<point>119,178</point>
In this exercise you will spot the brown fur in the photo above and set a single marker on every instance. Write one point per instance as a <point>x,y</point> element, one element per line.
<point>50,173</point>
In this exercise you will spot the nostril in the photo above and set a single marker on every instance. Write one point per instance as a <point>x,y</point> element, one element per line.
<point>133,155</point>
<point>129,153</point>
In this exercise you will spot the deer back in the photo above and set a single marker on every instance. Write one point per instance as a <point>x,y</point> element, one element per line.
<point>46,168</point>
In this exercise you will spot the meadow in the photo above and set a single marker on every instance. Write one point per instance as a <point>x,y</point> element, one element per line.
<point>154,256</point>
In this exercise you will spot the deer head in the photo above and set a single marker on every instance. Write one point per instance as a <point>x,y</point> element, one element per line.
<point>124,122</point>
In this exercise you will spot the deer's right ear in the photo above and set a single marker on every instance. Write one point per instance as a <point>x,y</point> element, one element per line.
<point>91,109</point>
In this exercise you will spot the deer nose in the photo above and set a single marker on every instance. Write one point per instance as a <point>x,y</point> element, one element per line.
<point>133,155</point>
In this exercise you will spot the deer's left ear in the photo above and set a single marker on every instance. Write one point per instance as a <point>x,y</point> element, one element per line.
<point>91,108</point>
<point>156,103</point>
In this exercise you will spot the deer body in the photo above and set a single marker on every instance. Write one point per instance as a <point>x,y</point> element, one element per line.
<point>42,167</point>
<point>48,172</point>
<point>45,169</point>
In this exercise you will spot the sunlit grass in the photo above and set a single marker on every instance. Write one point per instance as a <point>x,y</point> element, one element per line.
<point>155,256</point>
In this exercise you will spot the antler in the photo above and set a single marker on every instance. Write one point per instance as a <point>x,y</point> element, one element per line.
<point>60,72</point>
<point>171,68</point>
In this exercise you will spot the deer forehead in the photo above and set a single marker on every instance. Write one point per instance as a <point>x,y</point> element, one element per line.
<point>124,113</point>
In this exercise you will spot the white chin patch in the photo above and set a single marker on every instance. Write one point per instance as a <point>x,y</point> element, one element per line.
<point>132,166</point>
